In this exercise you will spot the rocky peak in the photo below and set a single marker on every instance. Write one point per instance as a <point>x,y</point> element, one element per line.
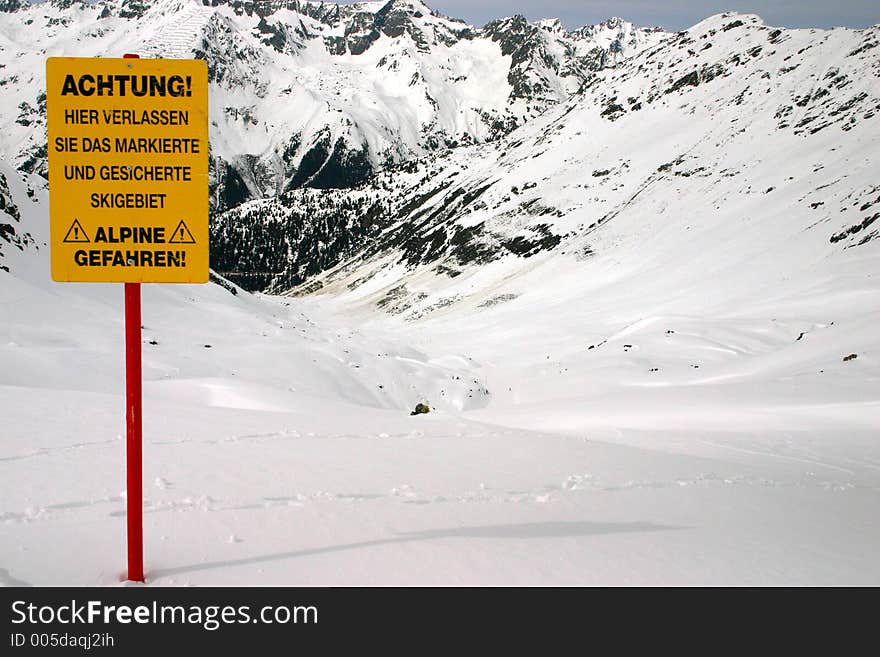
<point>553,25</point>
<point>410,7</point>
<point>365,23</point>
<point>512,25</point>
<point>396,18</point>
<point>613,23</point>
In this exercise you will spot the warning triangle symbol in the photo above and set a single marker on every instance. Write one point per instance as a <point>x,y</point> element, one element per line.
<point>76,233</point>
<point>181,235</point>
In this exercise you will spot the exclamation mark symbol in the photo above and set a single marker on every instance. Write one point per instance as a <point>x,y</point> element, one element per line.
<point>182,258</point>
<point>188,86</point>
<point>181,233</point>
<point>76,232</point>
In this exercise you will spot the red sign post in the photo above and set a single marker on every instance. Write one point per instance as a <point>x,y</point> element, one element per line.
<point>133,430</point>
<point>134,461</point>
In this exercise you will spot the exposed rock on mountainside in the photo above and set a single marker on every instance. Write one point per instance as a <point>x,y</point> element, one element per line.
<point>730,126</point>
<point>311,94</point>
<point>11,233</point>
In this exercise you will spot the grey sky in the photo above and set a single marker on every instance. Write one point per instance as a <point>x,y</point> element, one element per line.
<point>671,14</point>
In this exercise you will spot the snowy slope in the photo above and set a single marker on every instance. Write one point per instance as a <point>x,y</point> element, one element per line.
<point>648,335</point>
<point>336,366</point>
<point>275,457</point>
<point>703,215</point>
<point>311,94</point>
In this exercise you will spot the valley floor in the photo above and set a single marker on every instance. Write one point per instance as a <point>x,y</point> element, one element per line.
<point>267,464</point>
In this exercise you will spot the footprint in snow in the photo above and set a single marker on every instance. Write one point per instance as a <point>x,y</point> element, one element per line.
<point>404,490</point>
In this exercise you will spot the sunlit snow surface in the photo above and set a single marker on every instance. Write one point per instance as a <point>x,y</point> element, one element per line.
<point>274,456</point>
<point>677,407</point>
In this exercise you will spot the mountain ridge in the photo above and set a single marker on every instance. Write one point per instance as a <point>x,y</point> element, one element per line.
<point>309,94</point>
<point>561,182</point>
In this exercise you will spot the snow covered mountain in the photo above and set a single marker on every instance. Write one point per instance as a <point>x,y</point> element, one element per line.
<point>313,94</point>
<point>729,126</point>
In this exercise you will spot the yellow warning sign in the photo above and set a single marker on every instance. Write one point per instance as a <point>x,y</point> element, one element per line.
<point>128,169</point>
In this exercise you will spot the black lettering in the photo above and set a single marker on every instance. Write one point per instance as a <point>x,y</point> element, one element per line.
<point>125,85</point>
<point>142,90</point>
<point>66,144</point>
<point>86,90</point>
<point>96,145</point>
<point>80,116</point>
<point>175,86</point>
<point>105,84</point>
<point>134,234</point>
<point>122,79</point>
<point>130,201</point>
<point>120,258</point>
<point>69,86</point>
<point>159,145</point>
<point>79,172</point>
<point>157,86</point>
